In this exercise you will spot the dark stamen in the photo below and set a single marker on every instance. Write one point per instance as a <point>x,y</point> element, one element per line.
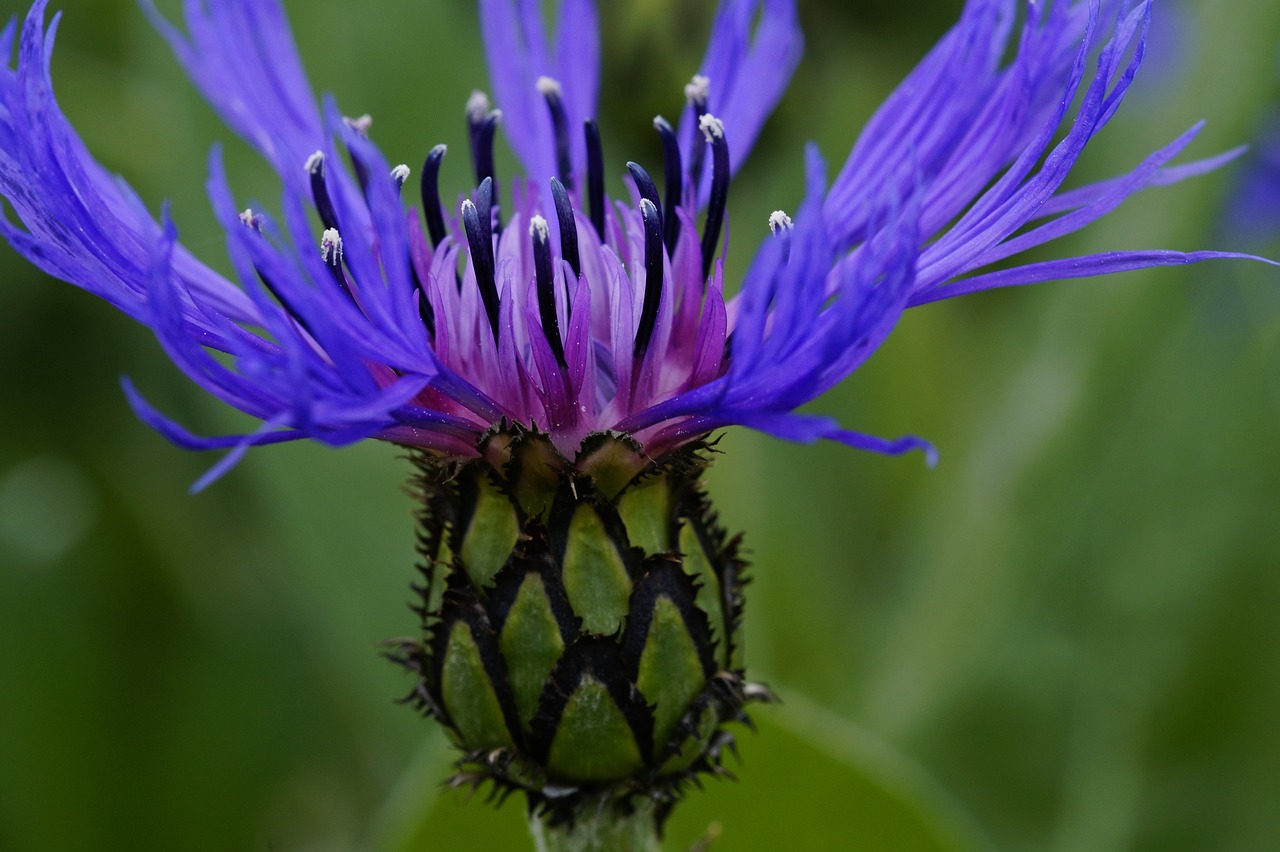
<point>482,153</point>
<point>477,112</point>
<point>546,286</point>
<point>713,129</point>
<point>595,177</point>
<point>361,127</point>
<point>568,226</point>
<point>646,187</point>
<point>652,275</point>
<point>696,93</point>
<point>560,123</point>
<point>253,221</point>
<point>672,176</point>
<point>482,262</point>
<point>320,192</point>
<point>283,300</point>
<point>484,209</point>
<point>431,194</point>
<point>425,311</point>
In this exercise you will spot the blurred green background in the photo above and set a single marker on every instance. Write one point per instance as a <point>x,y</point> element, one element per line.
<point>1063,638</point>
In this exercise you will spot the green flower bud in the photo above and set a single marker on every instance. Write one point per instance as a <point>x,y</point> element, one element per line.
<point>581,621</point>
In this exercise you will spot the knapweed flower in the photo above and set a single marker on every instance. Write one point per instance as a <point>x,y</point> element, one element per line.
<point>559,358</point>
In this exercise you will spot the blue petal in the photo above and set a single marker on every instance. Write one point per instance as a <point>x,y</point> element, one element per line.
<point>749,70</point>
<point>1086,266</point>
<point>242,57</point>
<point>518,53</point>
<point>78,222</point>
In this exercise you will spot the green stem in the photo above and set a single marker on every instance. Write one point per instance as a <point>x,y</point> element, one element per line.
<point>607,830</point>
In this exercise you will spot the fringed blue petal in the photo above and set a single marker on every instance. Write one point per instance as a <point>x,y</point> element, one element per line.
<point>1105,263</point>
<point>754,49</point>
<point>77,222</point>
<point>242,57</point>
<point>519,52</point>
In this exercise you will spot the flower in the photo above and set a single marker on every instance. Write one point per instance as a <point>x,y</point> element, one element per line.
<point>541,301</point>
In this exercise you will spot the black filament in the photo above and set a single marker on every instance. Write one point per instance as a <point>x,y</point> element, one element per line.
<point>482,261</point>
<point>560,123</point>
<point>699,106</point>
<point>431,195</point>
<point>595,177</point>
<point>646,187</point>
<point>719,198</point>
<point>673,177</point>
<point>652,275</point>
<point>320,193</point>
<point>568,226</point>
<point>482,152</point>
<point>546,290</point>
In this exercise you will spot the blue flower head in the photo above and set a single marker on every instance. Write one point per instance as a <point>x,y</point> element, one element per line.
<point>540,300</point>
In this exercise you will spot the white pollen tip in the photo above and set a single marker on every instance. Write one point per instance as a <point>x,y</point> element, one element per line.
<point>400,174</point>
<point>647,206</point>
<point>246,218</point>
<point>477,106</point>
<point>331,246</point>
<point>697,90</point>
<point>711,127</point>
<point>779,221</point>
<point>538,228</point>
<point>360,125</point>
<point>467,203</point>
<point>315,163</point>
<point>548,86</point>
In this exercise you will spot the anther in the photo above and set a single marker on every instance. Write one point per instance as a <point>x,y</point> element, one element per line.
<point>360,125</point>
<point>568,226</point>
<point>713,129</point>
<point>320,192</point>
<point>331,247</point>
<point>477,110</point>
<point>331,253</point>
<point>400,174</point>
<point>652,275</point>
<point>697,92</point>
<point>545,275</point>
<point>431,194</point>
<point>554,96</point>
<point>780,225</point>
<point>251,220</point>
<point>482,262</point>
<point>595,177</point>
<point>673,178</point>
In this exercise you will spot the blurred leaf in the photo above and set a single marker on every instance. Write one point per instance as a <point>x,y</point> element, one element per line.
<point>812,781</point>
<point>809,780</point>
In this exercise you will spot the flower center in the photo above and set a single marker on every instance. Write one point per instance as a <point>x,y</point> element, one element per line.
<point>571,321</point>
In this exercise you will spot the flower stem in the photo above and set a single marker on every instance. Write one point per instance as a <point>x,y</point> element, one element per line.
<point>609,829</point>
